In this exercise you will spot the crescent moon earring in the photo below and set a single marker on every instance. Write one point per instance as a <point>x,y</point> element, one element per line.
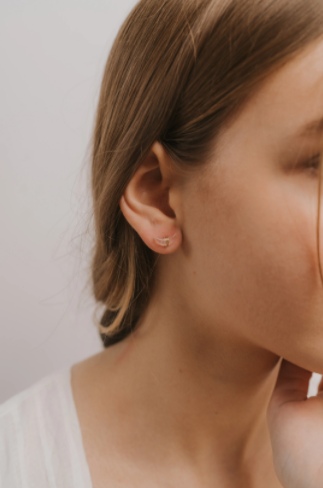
<point>165,241</point>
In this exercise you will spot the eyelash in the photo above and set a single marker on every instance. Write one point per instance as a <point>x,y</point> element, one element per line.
<point>314,159</point>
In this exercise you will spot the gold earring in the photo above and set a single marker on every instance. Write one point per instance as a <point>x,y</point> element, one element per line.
<point>165,241</point>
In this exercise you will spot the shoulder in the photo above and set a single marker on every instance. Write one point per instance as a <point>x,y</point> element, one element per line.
<point>43,400</point>
<point>39,390</point>
<point>33,432</point>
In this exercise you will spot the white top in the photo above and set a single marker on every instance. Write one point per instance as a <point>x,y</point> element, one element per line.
<point>40,437</point>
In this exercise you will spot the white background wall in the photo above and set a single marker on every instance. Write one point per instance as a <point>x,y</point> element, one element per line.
<point>52,57</point>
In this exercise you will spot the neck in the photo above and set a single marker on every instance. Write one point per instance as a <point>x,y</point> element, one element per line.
<point>200,390</point>
<point>211,389</point>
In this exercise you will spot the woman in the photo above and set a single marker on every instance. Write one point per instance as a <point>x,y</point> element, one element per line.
<point>205,178</point>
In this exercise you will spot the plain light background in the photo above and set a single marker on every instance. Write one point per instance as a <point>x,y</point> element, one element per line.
<point>52,59</point>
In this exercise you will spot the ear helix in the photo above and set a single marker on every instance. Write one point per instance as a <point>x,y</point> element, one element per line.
<point>165,241</point>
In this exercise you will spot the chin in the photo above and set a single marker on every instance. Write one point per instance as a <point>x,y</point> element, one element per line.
<point>310,358</point>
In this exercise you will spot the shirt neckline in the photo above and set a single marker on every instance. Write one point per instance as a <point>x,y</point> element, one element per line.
<point>76,428</point>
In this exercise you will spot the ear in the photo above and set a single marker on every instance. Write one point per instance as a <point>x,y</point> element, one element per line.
<point>146,202</point>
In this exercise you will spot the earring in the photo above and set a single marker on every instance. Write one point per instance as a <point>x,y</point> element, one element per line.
<point>165,241</point>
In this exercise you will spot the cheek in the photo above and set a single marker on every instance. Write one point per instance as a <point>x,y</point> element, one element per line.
<point>255,266</point>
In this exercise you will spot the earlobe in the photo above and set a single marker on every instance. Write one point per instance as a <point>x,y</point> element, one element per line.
<point>158,235</point>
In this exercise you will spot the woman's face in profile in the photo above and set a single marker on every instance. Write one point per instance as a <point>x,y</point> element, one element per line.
<point>250,218</point>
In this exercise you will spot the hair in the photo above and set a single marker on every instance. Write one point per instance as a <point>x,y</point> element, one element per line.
<point>177,71</point>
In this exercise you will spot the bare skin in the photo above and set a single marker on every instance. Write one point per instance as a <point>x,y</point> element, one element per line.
<point>184,400</point>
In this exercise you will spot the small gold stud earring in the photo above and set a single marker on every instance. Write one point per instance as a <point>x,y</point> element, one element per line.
<point>165,241</point>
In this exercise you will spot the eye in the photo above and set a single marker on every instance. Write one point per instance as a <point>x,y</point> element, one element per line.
<point>313,163</point>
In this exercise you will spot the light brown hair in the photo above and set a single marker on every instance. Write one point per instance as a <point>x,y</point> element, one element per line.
<point>177,71</point>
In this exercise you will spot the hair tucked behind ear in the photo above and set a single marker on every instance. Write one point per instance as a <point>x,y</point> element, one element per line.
<point>177,71</point>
